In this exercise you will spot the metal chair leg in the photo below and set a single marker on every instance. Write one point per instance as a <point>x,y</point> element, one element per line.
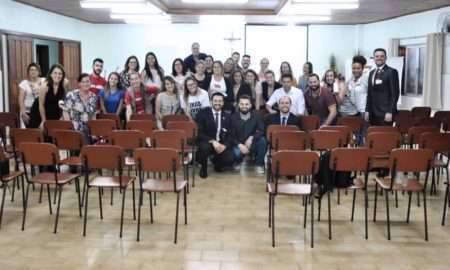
<point>353,205</point>
<point>444,213</point>
<point>85,210</point>
<point>121,214</point>
<point>25,204</point>
<point>409,206</point>
<point>59,188</point>
<point>100,202</point>
<point>387,215</point>
<point>139,217</point>
<point>311,198</point>
<point>49,199</point>
<point>176,218</point>
<point>329,216</point>
<point>273,221</point>
<point>425,214</point>
<point>3,202</point>
<point>185,206</point>
<point>375,203</point>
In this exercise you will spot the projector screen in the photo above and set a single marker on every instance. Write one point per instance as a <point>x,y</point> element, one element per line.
<point>278,44</point>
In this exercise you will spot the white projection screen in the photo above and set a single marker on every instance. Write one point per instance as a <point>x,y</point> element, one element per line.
<point>278,44</point>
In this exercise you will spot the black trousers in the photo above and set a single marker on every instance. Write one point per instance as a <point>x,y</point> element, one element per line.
<point>224,159</point>
<point>379,121</point>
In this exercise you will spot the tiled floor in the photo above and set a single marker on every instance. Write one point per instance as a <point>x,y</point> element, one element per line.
<point>227,230</point>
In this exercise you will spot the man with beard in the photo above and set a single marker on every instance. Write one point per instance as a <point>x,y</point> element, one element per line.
<point>236,57</point>
<point>246,62</point>
<point>296,95</point>
<point>383,91</point>
<point>97,81</point>
<point>214,136</point>
<point>284,117</point>
<point>248,134</point>
<point>320,101</point>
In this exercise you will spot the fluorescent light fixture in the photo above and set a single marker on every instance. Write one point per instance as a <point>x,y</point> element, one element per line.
<point>299,19</point>
<point>108,4</point>
<point>304,10</point>
<point>319,6</point>
<point>126,16</point>
<point>225,2</point>
<point>222,19</point>
<point>324,1</point>
<point>146,8</point>
<point>148,21</point>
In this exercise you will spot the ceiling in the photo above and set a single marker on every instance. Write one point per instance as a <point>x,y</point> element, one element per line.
<point>257,11</point>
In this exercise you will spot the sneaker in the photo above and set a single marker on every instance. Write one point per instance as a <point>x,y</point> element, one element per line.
<point>260,169</point>
<point>237,167</point>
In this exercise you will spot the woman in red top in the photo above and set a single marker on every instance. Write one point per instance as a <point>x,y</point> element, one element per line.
<point>138,98</point>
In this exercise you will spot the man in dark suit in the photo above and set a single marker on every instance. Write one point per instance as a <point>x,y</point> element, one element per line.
<point>284,116</point>
<point>195,57</point>
<point>383,92</point>
<point>214,136</point>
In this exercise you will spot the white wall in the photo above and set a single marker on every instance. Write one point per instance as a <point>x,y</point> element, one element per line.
<point>324,40</point>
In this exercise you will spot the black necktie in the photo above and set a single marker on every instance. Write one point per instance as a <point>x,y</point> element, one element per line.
<point>216,119</point>
<point>283,121</point>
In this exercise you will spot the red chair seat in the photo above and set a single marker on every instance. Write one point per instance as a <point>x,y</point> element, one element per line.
<point>11,176</point>
<point>48,178</point>
<point>153,185</point>
<point>290,189</point>
<point>111,181</point>
<point>72,161</point>
<point>412,185</point>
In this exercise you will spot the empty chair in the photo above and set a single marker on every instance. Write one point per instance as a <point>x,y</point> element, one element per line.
<point>71,141</point>
<point>382,129</point>
<point>167,162</point>
<point>45,154</point>
<point>108,157</point>
<point>145,126</point>
<point>110,116</point>
<point>144,116</point>
<point>353,160</point>
<point>415,161</point>
<point>128,140</point>
<point>414,134</point>
<point>381,144</point>
<point>420,112</point>
<point>441,117</point>
<point>310,122</point>
<point>173,117</point>
<point>7,120</point>
<point>356,125</point>
<point>51,125</point>
<point>99,130</point>
<point>293,163</point>
<point>19,136</point>
<point>346,130</point>
<point>289,140</point>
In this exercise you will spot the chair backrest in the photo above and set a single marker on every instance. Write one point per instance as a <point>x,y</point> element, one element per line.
<point>8,119</point>
<point>347,131</point>
<point>272,128</point>
<point>382,129</point>
<point>143,116</point>
<point>128,139</point>
<point>103,157</point>
<point>442,116</point>
<point>157,159</point>
<point>356,123</point>
<point>323,140</point>
<point>414,133</point>
<point>101,127</point>
<point>404,123</point>
<point>146,126</point>
<point>382,143</point>
<point>411,160</point>
<point>402,114</point>
<point>21,135</point>
<point>189,127</point>
<point>289,140</point>
<point>174,117</point>
<point>39,154</point>
<point>350,159</point>
<point>427,122</point>
<point>438,142</point>
<point>51,125</point>
<point>293,162</point>
<point>175,139</point>
<point>310,122</point>
<point>68,139</point>
<point>110,116</point>
<point>420,112</point>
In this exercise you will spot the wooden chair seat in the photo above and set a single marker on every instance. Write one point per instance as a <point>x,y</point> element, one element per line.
<point>290,189</point>
<point>412,185</point>
<point>379,163</point>
<point>72,161</point>
<point>154,185</point>
<point>110,181</point>
<point>11,176</point>
<point>48,178</point>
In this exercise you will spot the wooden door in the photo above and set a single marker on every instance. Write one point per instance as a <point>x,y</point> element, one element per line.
<point>70,58</point>
<point>20,55</point>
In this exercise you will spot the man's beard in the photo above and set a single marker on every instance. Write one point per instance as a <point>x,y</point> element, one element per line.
<point>97,73</point>
<point>314,88</point>
<point>245,112</point>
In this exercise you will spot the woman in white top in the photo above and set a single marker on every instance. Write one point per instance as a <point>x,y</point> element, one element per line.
<point>194,99</point>
<point>330,81</point>
<point>251,78</point>
<point>220,84</point>
<point>29,91</point>
<point>352,99</point>
<point>264,64</point>
<point>179,74</point>
<point>152,74</point>
<point>167,102</point>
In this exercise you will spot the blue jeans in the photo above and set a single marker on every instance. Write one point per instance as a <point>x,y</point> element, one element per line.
<point>258,147</point>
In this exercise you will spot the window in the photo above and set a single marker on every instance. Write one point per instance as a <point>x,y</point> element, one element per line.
<point>414,70</point>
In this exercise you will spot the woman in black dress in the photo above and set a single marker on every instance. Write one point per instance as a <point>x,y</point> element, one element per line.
<point>52,94</point>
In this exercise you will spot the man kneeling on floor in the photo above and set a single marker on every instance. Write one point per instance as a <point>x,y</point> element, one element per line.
<point>248,134</point>
<point>214,136</point>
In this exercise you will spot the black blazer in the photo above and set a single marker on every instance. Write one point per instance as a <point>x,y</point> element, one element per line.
<point>382,98</point>
<point>275,119</point>
<point>207,127</point>
<point>190,61</point>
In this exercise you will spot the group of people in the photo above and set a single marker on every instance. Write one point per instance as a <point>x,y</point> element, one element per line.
<point>223,98</point>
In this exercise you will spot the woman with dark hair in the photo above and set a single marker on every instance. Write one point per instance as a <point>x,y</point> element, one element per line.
<point>80,105</point>
<point>209,61</point>
<point>352,99</point>
<point>251,78</point>
<point>138,98</point>
<point>131,66</point>
<point>152,74</point>
<point>330,81</point>
<point>51,98</point>
<point>285,68</point>
<point>29,91</point>
<point>203,79</point>
<point>111,98</point>
<point>179,73</point>
<point>303,80</point>
<point>238,88</point>
<point>218,82</point>
<point>167,102</point>
<point>228,67</point>
<point>193,99</point>
<point>267,88</point>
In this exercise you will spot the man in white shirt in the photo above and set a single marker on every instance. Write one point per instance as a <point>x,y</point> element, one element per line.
<point>295,94</point>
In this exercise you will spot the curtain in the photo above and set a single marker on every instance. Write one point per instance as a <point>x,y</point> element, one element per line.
<point>394,43</point>
<point>432,81</point>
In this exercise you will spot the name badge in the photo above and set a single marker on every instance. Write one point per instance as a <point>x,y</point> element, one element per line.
<point>378,81</point>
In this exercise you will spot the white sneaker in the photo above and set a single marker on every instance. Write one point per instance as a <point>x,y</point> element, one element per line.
<point>237,167</point>
<point>259,169</point>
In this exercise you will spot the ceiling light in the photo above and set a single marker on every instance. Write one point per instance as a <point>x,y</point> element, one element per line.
<point>324,1</point>
<point>222,19</point>
<point>112,3</point>
<point>299,19</point>
<point>302,10</point>
<point>326,6</point>
<point>215,1</point>
<point>147,8</point>
<point>126,16</point>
